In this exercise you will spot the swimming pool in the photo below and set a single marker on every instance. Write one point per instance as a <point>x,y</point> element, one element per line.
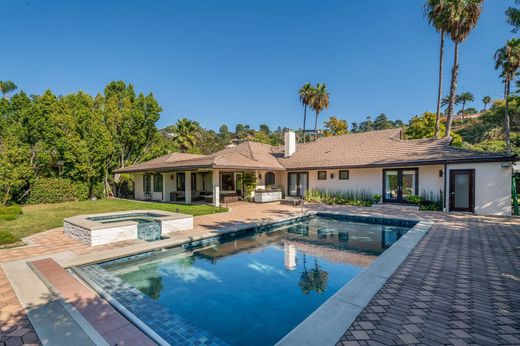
<point>251,287</point>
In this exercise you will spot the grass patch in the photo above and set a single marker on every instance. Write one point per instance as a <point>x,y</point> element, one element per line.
<point>42,217</point>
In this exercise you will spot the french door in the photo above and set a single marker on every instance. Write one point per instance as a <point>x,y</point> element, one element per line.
<point>462,190</point>
<point>399,184</point>
<point>298,183</point>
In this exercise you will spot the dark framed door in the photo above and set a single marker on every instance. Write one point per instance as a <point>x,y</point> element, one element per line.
<point>462,190</point>
<point>298,184</point>
<point>399,184</point>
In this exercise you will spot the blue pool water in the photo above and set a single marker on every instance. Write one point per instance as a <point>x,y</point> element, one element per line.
<point>254,289</point>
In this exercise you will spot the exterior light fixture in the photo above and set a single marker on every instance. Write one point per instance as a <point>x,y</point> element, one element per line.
<point>260,176</point>
<point>440,173</point>
<point>172,177</point>
<point>331,175</point>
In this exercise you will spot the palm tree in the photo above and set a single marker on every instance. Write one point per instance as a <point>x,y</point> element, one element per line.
<point>6,87</point>
<point>507,58</point>
<point>486,100</point>
<point>305,93</point>
<point>184,132</point>
<point>319,101</point>
<point>462,16</point>
<point>463,98</point>
<point>434,10</point>
<point>446,100</point>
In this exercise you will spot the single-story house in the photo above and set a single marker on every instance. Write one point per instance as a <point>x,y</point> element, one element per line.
<point>380,162</point>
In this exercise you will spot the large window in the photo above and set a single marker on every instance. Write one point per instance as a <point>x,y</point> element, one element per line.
<point>147,185</point>
<point>269,179</point>
<point>193,182</point>
<point>228,183</point>
<point>157,183</point>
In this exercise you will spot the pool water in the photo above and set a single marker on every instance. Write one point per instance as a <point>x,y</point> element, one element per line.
<point>254,289</point>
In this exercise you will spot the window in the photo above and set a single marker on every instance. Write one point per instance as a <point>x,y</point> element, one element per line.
<point>343,175</point>
<point>227,182</point>
<point>193,182</point>
<point>269,179</point>
<point>322,175</point>
<point>181,182</point>
<point>157,183</point>
<point>147,186</point>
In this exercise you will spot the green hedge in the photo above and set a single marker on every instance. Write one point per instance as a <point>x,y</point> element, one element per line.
<point>7,238</point>
<point>57,190</point>
<point>358,197</point>
<point>12,210</point>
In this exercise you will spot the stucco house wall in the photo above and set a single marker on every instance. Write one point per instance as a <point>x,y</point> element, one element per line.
<point>492,187</point>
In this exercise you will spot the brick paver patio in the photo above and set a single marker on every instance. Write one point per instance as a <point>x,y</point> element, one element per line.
<point>460,285</point>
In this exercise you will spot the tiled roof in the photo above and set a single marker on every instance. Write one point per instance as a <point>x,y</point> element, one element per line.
<point>367,149</point>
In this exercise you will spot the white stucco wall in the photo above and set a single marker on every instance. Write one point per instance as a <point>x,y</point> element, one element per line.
<point>278,179</point>
<point>492,187</point>
<point>138,186</point>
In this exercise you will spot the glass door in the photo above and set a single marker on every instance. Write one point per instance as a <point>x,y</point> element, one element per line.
<point>399,184</point>
<point>298,184</point>
<point>462,190</point>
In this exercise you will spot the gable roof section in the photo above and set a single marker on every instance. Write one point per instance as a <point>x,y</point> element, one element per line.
<point>367,149</point>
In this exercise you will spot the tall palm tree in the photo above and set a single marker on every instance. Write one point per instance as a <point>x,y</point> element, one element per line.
<point>507,59</point>
<point>462,17</point>
<point>6,87</point>
<point>185,134</point>
<point>463,98</point>
<point>486,100</point>
<point>319,102</point>
<point>305,93</point>
<point>434,10</point>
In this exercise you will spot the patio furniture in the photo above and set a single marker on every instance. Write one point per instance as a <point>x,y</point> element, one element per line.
<point>177,196</point>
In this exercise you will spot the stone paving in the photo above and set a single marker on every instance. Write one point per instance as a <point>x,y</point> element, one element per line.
<point>460,285</point>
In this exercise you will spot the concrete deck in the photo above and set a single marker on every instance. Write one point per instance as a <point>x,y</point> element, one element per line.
<point>459,285</point>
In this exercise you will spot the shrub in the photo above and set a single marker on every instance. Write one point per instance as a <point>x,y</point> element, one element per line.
<point>362,197</point>
<point>249,181</point>
<point>56,190</point>
<point>12,209</point>
<point>7,237</point>
<point>431,201</point>
<point>7,217</point>
<point>414,199</point>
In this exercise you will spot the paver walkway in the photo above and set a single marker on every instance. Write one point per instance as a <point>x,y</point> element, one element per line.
<point>460,285</point>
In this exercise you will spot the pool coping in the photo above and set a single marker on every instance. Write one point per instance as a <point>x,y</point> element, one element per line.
<point>338,312</point>
<point>328,323</point>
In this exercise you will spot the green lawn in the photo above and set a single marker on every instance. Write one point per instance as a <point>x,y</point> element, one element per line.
<point>42,217</point>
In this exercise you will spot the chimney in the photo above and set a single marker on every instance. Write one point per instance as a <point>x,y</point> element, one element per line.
<point>290,143</point>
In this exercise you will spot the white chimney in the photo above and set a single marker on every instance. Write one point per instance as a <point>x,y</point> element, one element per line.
<point>290,143</point>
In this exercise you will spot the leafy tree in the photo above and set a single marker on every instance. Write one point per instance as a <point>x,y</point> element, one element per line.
<point>335,126</point>
<point>435,11</point>
<point>423,126</point>
<point>184,134</point>
<point>319,101</point>
<point>513,16</point>
<point>224,135</point>
<point>265,129</point>
<point>382,122</point>
<point>465,97</point>
<point>470,110</point>
<point>462,16</point>
<point>305,92</point>
<point>6,87</point>
<point>486,100</point>
<point>507,59</point>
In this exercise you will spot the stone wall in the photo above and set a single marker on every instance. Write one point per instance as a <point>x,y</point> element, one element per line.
<point>169,226</point>
<point>100,236</point>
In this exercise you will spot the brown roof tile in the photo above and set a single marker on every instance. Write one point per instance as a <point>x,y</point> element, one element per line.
<point>367,149</point>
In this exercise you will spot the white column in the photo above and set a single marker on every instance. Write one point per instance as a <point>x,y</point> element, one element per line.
<point>187,199</point>
<point>216,187</point>
<point>165,198</point>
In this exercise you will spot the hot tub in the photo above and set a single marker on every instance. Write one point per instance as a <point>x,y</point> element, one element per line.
<point>149,225</point>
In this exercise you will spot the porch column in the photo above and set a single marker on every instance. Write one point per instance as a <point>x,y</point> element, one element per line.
<point>216,187</point>
<point>187,179</point>
<point>164,196</point>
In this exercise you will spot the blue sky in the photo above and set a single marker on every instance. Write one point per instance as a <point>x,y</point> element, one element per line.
<point>244,61</point>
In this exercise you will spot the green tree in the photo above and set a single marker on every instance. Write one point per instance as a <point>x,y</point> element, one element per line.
<point>445,101</point>
<point>423,126</point>
<point>486,100</point>
<point>382,122</point>
<point>507,59</point>
<point>319,101</point>
<point>265,129</point>
<point>6,87</point>
<point>184,134</point>
<point>462,16</point>
<point>465,97</point>
<point>435,11</point>
<point>513,16</point>
<point>335,126</point>
<point>305,92</point>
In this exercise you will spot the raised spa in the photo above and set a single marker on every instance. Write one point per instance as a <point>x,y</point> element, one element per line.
<point>149,225</point>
